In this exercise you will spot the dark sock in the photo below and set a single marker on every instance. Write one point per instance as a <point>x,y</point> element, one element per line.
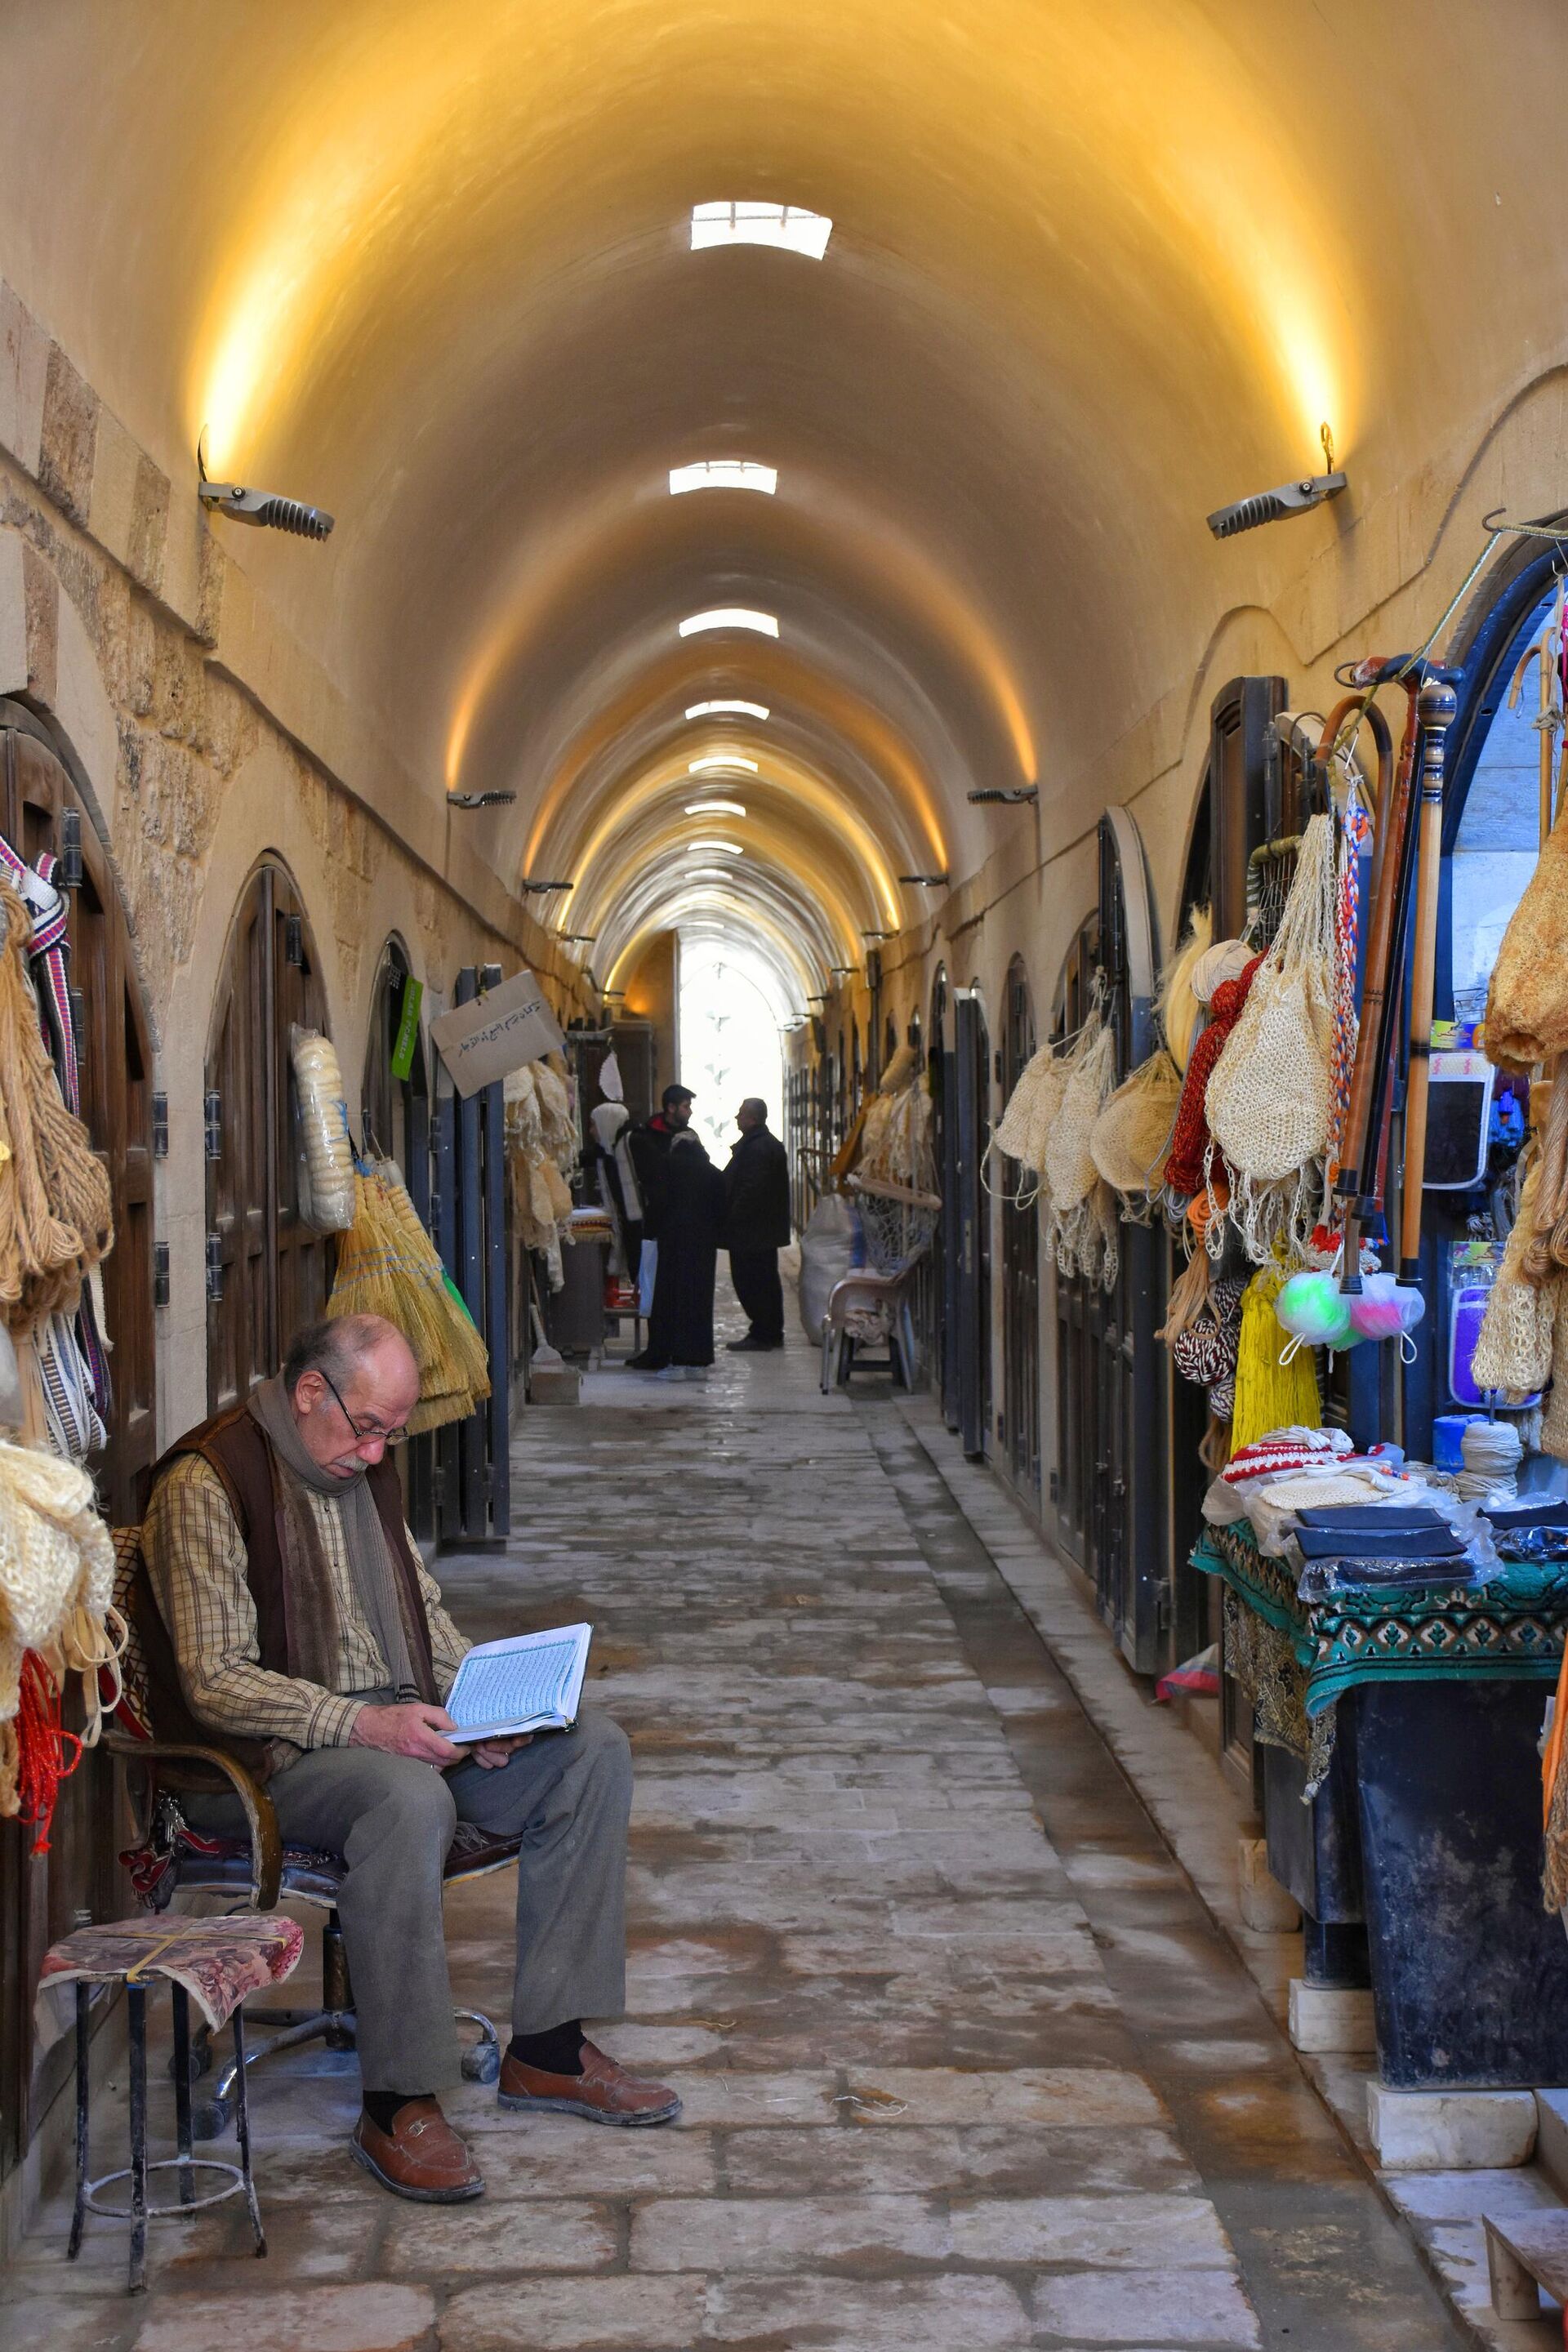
<point>557,2051</point>
<point>383,2108</point>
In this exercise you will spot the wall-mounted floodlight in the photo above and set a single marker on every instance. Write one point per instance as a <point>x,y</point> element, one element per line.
<point>817,1000</point>
<point>1272,505</point>
<point>543,889</point>
<point>1009,793</point>
<point>925,881</point>
<point>879,935</point>
<point>580,939</point>
<point>843,970</point>
<point>480,800</point>
<point>263,509</point>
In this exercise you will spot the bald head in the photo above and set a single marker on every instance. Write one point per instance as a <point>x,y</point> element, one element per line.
<point>352,1382</point>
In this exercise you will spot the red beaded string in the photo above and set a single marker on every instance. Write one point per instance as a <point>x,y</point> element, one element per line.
<point>42,1744</point>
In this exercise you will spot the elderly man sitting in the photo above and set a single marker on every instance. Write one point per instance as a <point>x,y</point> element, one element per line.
<point>309,1640</point>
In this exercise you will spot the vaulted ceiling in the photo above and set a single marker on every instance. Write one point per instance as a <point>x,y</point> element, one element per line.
<point>1096,267</point>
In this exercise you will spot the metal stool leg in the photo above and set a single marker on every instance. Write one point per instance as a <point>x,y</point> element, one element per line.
<point>136,2002</point>
<point>242,2131</point>
<point>180,2005</point>
<point>83,2003</point>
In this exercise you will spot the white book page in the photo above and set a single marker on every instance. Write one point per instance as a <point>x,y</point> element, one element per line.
<point>531,1683</point>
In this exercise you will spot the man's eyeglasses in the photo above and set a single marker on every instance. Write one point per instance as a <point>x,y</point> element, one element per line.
<point>364,1435</point>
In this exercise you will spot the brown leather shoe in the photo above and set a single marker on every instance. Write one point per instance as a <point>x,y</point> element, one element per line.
<point>602,2092</point>
<point>421,2157</point>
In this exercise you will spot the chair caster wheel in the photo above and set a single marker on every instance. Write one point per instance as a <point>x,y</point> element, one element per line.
<point>483,2062</point>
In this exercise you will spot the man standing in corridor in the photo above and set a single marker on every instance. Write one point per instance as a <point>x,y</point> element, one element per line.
<point>756,1226</point>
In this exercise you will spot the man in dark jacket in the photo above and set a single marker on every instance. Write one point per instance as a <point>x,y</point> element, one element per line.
<point>649,1147</point>
<point>756,1226</point>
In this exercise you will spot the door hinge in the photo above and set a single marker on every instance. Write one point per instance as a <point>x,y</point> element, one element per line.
<point>160,1274</point>
<point>160,1127</point>
<point>1055,1488</point>
<point>215,1267</point>
<point>69,872</point>
<point>211,1116</point>
<point>294,941</point>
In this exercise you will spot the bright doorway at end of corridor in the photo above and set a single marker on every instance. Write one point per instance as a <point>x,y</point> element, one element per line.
<point>732,1007</point>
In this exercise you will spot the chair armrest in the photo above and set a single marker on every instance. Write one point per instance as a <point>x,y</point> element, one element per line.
<point>260,1813</point>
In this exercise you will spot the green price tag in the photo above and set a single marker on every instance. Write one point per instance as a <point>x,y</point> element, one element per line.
<point>408,1027</point>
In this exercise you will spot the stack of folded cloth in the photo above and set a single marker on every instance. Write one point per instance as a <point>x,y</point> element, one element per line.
<point>1268,1482</point>
<point>1378,1546</point>
<point>1531,1529</point>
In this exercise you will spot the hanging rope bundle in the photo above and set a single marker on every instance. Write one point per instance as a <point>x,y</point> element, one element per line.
<point>55,1214</point>
<point>57,1583</point>
<point>47,1753</point>
<point>1188,1156</point>
<point>1269,1103</point>
<point>1176,1007</point>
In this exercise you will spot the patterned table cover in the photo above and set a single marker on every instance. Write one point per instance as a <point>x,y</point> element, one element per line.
<point>1512,1629</point>
<point>220,1962</point>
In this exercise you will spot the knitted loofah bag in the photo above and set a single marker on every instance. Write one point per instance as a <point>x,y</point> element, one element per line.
<point>1514,1348</point>
<point>1130,1139</point>
<point>1077,1222</point>
<point>1527,1004</point>
<point>1031,1109</point>
<point>1269,1100</point>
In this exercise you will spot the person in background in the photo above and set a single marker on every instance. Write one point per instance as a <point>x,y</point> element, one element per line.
<point>649,1148</point>
<point>618,1187</point>
<point>691,1218</point>
<point>757,1226</point>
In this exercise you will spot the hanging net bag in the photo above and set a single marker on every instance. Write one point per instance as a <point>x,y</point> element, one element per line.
<point>1130,1139</point>
<point>1271,1098</point>
<point>1079,1227</point>
<point>1021,1132</point>
<point>897,1219</point>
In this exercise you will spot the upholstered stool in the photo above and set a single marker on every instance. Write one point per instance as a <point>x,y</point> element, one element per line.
<point>217,1961</point>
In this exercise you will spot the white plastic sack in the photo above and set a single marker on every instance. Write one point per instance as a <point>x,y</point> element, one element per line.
<point>827,1249</point>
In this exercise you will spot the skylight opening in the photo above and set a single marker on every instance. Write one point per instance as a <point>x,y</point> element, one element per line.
<point>728,710</point>
<point>725,762</point>
<point>714,808</point>
<point>730,616</point>
<point>711,874</point>
<point>729,848</point>
<point>750,223</point>
<point>723,474</point>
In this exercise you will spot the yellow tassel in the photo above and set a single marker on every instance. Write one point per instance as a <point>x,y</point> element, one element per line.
<point>1270,1395</point>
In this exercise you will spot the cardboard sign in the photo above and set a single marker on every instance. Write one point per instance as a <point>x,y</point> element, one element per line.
<point>497,1033</point>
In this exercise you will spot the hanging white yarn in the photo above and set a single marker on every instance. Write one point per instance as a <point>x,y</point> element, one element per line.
<point>1492,1452</point>
<point>1020,1133</point>
<point>55,1558</point>
<point>1075,1226</point>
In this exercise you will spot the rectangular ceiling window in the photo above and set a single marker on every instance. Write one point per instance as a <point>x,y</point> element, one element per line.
<point>730,616</point>
<point>715,808</point>
<point>728,710</point>
<point>729,848</point>
<point>722,760</point>
<point>749,223</point>
<point>723,474</point>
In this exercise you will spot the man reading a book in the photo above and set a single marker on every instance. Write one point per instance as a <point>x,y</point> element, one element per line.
<point>305,1635</point>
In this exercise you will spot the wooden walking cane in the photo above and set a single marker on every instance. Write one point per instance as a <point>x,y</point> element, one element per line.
<point>1357,1184</point>
<point>1436,705</point>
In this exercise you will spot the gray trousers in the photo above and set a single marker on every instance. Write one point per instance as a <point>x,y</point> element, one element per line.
<point>567,1795</point>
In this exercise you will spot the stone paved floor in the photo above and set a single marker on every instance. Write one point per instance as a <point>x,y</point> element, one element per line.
<point>965,2064</point>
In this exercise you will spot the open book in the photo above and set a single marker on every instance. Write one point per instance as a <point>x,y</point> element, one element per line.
<point>531,1683</point>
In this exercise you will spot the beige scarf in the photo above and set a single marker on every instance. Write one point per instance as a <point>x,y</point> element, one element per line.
<point>365,1542</point>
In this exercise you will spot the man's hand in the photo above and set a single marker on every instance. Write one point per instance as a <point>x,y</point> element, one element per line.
<point>494,1753</point>
<point>410,1730</point>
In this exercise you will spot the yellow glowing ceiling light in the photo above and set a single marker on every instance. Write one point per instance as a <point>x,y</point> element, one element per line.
<point>728,710</point>
<point>749,222</point>
<point>730,616</point>
<point>729,848</point>
<point>724,762</point>
<point>723,474</point>
<point>715,808</point>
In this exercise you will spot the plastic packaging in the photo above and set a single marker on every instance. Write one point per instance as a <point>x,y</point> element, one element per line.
<point>828,1248</point>
<point>329,1157</point>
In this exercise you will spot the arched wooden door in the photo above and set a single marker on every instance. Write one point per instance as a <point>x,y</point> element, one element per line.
<point>38,805</point>
<point>1109,1464</point>
<point>1020,1431</point>
<point>268,1272</point>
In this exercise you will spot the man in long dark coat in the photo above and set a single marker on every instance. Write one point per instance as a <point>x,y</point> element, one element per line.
<point>691,1217</point>
<point>757,1226</point>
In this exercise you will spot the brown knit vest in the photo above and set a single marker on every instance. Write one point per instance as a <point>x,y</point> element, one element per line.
<point>235,1445</point>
